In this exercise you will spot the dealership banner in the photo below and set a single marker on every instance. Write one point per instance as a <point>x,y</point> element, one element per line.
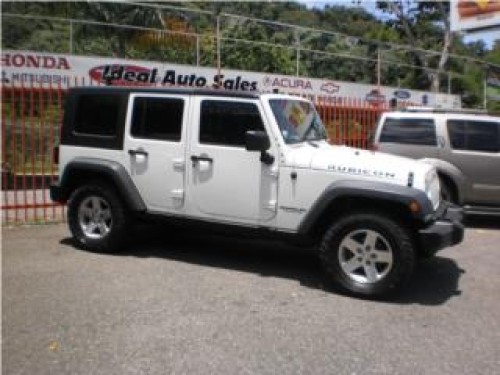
<point>46,70</point>
<point>493,84</point>
<point>473,15</point>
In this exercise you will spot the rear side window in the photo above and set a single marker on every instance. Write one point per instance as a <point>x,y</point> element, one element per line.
<point>225,123</point>
<point>97,115</point>
<point>157,118</point>
<point>481,136</point>
<point>412,131</point>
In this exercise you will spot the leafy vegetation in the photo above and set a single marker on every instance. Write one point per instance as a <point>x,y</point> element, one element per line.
<point>186,33</point>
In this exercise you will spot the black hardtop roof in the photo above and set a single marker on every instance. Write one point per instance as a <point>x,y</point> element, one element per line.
<point>164,90</point>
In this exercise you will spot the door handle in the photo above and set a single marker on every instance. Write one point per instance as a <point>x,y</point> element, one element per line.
<point>138,152</point>
<point>195,158</point>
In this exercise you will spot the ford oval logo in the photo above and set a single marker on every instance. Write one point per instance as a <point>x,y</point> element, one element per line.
<point>402,94</point>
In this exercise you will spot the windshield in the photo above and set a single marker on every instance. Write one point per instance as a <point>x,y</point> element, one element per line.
<point>298,120</point>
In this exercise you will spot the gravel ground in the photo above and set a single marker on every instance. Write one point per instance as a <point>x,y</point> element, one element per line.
<point>209,305</point>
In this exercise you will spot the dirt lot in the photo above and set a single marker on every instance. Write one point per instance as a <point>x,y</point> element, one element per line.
<point>209,305</point>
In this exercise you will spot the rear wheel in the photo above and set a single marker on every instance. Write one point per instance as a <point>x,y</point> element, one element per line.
<point>97,218</point>
<point>368,254</point>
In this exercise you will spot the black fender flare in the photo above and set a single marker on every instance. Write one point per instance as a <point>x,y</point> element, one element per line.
<point>111,169</point>
<point>379,191</point>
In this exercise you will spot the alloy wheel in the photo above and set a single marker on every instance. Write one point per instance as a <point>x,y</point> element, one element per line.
<point>365,256</point>
<point>94,217</point>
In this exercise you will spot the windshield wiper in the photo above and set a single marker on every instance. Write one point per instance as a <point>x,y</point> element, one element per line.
<point>309,128</point>
<point>320,136</point>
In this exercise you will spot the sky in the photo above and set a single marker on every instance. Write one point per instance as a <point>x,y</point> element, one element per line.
<point>489,37</point>
<point>370,5</point>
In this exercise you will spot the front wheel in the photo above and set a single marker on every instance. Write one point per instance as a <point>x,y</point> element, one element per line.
<point>97,218</point>
<point>369,255</point>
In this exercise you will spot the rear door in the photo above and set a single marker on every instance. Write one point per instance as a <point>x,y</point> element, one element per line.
<point>411,137</point>
<point>154,146</point>
<point>475,150</point>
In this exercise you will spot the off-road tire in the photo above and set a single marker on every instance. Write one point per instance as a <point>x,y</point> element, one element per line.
<point>391,231</point>
<point>110,203</point>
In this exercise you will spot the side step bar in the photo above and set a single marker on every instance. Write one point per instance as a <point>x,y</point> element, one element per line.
<point>482,210</point>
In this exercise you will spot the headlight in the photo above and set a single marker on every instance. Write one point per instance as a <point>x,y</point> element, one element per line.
<point>432,188</point>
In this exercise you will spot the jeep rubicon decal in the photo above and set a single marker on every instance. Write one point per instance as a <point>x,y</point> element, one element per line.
<point>361,171</point>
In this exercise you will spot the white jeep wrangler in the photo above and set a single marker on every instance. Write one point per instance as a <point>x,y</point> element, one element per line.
<point>259,162</point>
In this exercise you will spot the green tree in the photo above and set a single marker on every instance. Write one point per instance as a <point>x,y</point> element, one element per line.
<point>34,34</point>
<point>423,25</point>
<point>493,57</point>
<point>348,51</point>
<point>254,56</point>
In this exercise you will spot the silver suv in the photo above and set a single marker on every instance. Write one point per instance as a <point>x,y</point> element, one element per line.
<point>464,147</point>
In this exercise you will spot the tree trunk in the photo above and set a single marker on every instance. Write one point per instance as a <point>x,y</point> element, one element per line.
<point>445,51</point>
<point>433,76</point>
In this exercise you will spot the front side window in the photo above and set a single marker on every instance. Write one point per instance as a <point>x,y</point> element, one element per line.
<point>468,135</point>
<point>97,114</point>
<point>226,122</point>
<point>298,120</point>
<point>410,131</point>
<point>157,118</point>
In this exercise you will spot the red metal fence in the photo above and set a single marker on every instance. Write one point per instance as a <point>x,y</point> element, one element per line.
<point>31,118</point>
<point>31,121</point>
<point>349,121</point>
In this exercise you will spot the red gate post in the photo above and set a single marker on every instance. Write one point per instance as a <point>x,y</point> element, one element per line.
<point>13,149</point>
<point>42,151</point>
<point>51,143</point>
<point>23,148</point>
<point>5,165</point>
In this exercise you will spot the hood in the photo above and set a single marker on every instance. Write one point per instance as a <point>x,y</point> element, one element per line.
<point>357,163</point>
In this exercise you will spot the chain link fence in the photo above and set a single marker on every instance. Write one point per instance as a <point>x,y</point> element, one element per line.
<point>197,38</point>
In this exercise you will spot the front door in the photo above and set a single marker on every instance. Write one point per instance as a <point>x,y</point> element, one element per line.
<point>155,151</point>
<point>227,182</point>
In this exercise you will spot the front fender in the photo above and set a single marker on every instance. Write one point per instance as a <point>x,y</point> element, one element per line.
<point>377,191</point>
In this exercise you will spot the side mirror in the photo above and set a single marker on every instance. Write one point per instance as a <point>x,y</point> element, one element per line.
<point>256,140</point>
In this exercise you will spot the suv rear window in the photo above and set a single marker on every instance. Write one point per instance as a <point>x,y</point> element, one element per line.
<point>157,118</point>
<point>412,131</point>
<point>97,114</point>
<point>474,135</point>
